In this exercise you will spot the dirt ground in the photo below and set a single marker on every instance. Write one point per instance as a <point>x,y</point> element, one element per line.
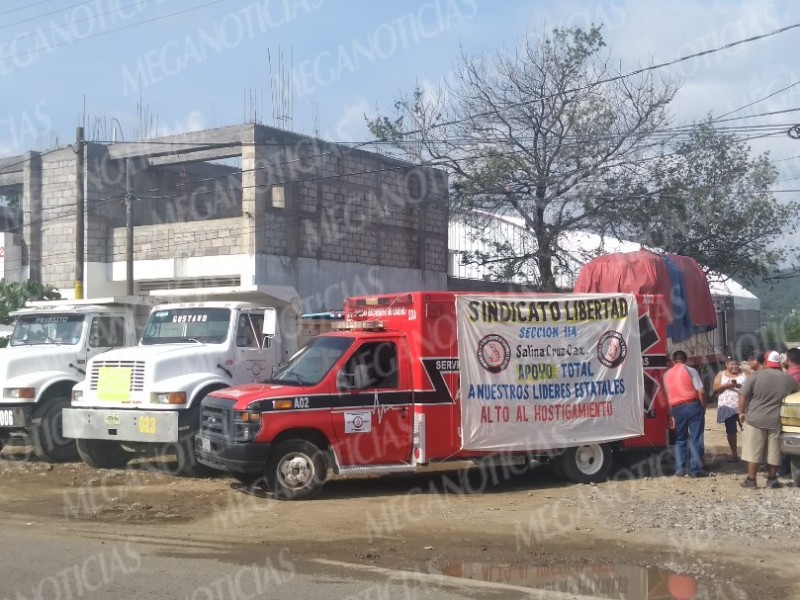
<point>492,524</point>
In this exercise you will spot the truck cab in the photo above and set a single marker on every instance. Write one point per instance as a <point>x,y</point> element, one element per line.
<point>383,396</point>
<point>790,433</point>
<point>147,398</point>
<point>47,355</point>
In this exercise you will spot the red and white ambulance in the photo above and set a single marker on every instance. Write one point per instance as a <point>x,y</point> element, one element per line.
<point>419,378</point>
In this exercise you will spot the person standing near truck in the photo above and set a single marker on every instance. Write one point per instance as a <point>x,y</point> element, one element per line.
<point>760,401</point>
<point>793,369</point>
<point>687,407</point>
<point>726,385</point>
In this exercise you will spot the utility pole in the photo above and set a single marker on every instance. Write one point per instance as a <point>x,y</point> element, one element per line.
<point>79,214</point>
<point>129,227</point>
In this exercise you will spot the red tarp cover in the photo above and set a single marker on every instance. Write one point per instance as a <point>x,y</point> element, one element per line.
<point>701,306</point>
<point>640,272</point>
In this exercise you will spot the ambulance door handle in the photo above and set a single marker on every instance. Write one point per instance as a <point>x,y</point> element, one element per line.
<point>404,412</point>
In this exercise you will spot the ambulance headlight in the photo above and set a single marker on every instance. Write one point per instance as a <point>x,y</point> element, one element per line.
<point>246,425</point>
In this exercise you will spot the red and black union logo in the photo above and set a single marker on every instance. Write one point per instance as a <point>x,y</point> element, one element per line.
<point>612,349</point>
<point>494,353</point>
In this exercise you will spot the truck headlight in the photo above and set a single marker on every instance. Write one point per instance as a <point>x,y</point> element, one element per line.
<point>26,393</point>
<point>246,425</point>
<point>168,398</point>
<point>77,395</point>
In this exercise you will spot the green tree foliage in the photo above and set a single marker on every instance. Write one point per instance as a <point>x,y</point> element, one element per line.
<point>708,199</point>
<point>14,295</point>
<point>534,134</point>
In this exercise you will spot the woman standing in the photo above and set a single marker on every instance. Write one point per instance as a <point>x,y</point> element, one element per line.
<point>726,386</point>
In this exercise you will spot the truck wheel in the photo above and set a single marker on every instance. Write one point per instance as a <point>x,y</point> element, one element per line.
<point>586,464</point>
<point>103,454</point>
<point>187,459</point>
<point>296,470</point>
<point>795,462</point>
<point>47,438</point>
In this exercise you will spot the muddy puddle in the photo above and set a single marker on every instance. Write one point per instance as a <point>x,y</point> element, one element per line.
<point>603,580</point>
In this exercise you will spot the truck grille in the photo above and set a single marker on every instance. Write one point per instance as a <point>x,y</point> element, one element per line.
<point>215,420</point>
<point>136,367</point>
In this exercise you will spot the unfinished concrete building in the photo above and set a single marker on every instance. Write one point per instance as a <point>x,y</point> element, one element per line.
<point>327,219</point>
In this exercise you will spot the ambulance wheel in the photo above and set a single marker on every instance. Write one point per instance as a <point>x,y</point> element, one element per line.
<point>103,454</point>
<point>4,437</point>
<point>586,464</point>
<point>795,462</point>
<point>248,479</point>
<point>296,470</point>
<point>47,437</point>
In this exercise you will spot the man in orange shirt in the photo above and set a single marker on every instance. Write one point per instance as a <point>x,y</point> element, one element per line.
<point>687,408</point>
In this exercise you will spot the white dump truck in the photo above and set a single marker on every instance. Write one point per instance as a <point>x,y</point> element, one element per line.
<point>47,355</point>
<point>147,398</point>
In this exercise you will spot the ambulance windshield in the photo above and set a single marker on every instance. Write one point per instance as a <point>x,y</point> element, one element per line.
<point>310,365</point>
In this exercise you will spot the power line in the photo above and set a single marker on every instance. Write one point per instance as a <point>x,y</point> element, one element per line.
<point>600,82</point>
<point>89,18</point>
<point>47,14</point>
<point>30,5</point>
<point>121,28</point>
<point>788,87</point>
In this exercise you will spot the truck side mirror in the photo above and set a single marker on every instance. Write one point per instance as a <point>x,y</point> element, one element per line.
<point>270,326</point>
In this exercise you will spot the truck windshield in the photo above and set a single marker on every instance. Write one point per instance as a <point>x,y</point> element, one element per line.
<point>47,329</point>
<point>310,365</point>
<point>176,325</point>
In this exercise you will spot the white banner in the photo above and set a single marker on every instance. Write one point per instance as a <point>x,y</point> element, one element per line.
<point>549,371</point>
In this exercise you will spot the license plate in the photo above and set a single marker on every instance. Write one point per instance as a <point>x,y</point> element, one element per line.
<point>6,418</point>
<point>205,444</point>
<point>111,419</point>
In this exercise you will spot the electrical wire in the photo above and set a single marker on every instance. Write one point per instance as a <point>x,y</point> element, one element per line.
<point>40,32</point>
<point>39,16</point>
<point>121,28</point>
<point>29,5</point>
<point>600,82</point>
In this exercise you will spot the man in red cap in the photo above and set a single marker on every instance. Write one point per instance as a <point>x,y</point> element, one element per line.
<point>760,401</point>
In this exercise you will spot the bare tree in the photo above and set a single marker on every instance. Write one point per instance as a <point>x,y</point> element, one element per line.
<point>535,135</point>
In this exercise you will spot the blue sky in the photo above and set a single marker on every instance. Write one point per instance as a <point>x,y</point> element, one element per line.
<point>194,70</point>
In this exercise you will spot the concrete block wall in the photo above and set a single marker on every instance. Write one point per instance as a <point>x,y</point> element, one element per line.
<point>348,205</point>
<point>218,237</point>
<point>58,184</point>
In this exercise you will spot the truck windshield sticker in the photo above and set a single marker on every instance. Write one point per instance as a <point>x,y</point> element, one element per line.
<point>549,371</point>
<point>42,320</point>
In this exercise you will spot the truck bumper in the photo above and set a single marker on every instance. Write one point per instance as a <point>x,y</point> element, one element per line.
<point>790,443</point>
<point>15,416</point>
<point>126,425</point>
<point>223,455</point>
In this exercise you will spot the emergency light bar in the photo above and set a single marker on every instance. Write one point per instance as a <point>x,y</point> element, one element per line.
<point>383,300</point>
<point>358,325</point>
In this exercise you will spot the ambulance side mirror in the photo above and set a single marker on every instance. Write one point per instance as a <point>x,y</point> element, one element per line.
<point>344,381</point>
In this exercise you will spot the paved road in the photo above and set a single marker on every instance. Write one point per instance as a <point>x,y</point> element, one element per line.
<point>39,564</point>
